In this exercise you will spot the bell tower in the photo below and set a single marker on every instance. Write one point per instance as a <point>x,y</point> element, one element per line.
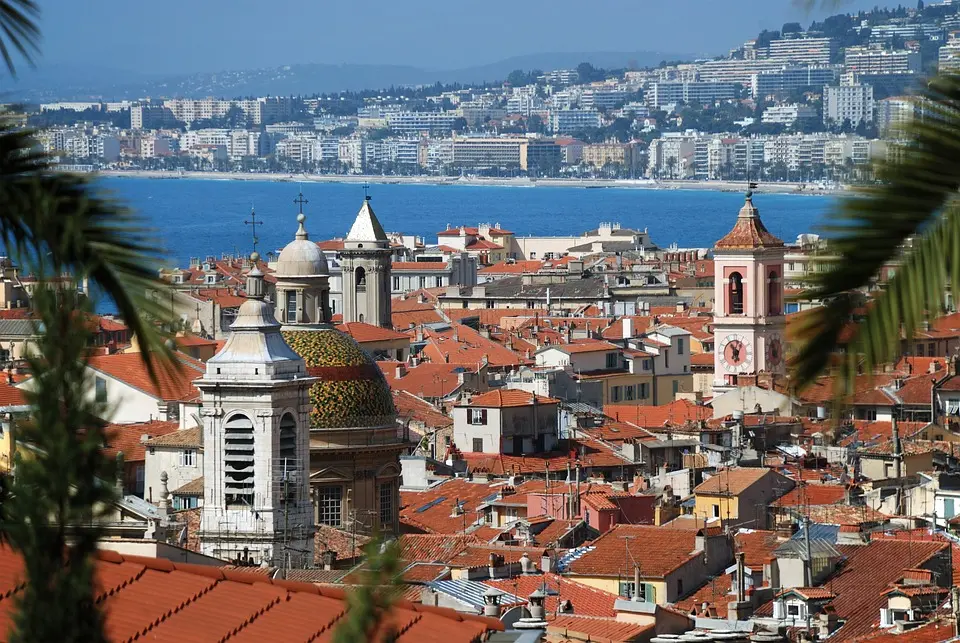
<point>748,319</point>
<point>365,264</point>
<point>302,274</point>
<point>256,429</point>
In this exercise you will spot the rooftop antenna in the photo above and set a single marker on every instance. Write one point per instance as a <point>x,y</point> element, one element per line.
<point>253,223</point>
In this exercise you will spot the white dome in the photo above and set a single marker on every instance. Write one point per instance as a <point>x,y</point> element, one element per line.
<point>301,257</point>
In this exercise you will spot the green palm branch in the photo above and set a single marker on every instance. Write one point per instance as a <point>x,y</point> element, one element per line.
<point>911,218</point>
<point>18,30</point>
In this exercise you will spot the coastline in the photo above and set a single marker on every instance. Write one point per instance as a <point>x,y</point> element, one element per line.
<point>646,184</point>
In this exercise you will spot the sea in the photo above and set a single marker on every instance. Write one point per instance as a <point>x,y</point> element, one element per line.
<point>202,217</point>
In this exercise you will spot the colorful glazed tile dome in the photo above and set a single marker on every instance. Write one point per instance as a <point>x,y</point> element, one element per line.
<point>352,391</point>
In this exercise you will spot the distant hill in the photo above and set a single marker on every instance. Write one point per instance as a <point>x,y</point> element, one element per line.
<point>61,82</point>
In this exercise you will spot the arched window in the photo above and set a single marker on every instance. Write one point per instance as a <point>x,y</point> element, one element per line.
<point>238,461</point>
<point>288,463</point>
<point>774,305</point>
<point>360,275</point>
<point>291,306</point>
<point>735,293</point>
<point>325,306</point>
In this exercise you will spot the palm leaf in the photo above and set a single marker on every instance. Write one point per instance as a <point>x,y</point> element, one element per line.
<point>917,200</point>
<point>78,229</point>
<point>18,30</point>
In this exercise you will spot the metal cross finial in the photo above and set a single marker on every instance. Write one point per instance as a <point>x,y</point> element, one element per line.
<point>253,223</point>
<point>366,191</point>
<point>300,201</point>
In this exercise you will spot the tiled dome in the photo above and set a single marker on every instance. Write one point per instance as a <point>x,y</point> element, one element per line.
<point>352,391</point>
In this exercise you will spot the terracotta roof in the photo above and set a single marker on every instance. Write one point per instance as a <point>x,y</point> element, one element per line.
<point>589,453</point>
<point>586,346</point>
<point>425,380</point>
<point>615,329</point>
<point>654,417</point>
<point>702,359</point>
<point>474,556</point>
<point>424,572</point>
<point>433,548</point>
<point>222,297</point>
<point>10,395</point>
<point>812,494</point>
<point>586,601</point>
<point>420,266</point>
<point>716,593</point>
<point>483,244</point>
<point>935,632</point>
<point>331,244</point>
<point>512,268</point>
<point>127,438</point>
<point>411,407</point>
<point>192,488</point>
<point>175,382</point>
<point>736,481</point>
<point>182,438</point>
<point>657,550</point>
<point>461,344</point>
<point>748,232</point>
<point>363,332</point>
<point>810,593</point>
<point>193,340</point>
<point>455,231</point>
<point>757,546</point>
<point>432,511</point>
<point>503,398</point>
<point>346,545</point>
<point>403,320</point>
<point>159,600</point>
<point>580,628</point>
<point>841,514</point>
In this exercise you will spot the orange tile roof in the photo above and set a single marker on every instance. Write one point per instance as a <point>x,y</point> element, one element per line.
<point>748,232</point>
<point>403,320</point>
<point>598,630</point>
<point>433,548</point>
<point>615,330</point>
<point>657,550</point>
<point>330,244</point>
<point>432,511</point>
<point>586,600</point>
<point>503,398</point>
<point>483,244</point>
<point>589,453</point>
<point>222,297</point>
<point>425,380</point>
<point>175,382</point>
<point>10,395</point>
<point>462,345</point>
<point>127,438</point>
<point>676,412</point>
<point>936,631</point>
<point>736,481</point>
<point>181,438</point>
<point>512,268</point>
<point>455,231</point>
<point>812,494</point>
<point>757,546</point>
<point>363,332</point>
<point>414,408</point>
<point>159,600</point>
<point>586,346</point>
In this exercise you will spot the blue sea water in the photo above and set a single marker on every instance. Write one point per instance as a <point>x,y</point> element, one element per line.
<point>195,218</point>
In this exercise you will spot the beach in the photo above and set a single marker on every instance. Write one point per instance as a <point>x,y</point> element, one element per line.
<point>649,184</point>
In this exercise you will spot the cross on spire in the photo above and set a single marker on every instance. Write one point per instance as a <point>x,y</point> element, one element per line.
<point>300,201</point>
<point>253,223</point>
<point>366,191</point>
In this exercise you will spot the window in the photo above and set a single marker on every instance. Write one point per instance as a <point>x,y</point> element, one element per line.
<point>360,279</point>
<point>614,393</point>
<point>646,364</point>
<point>489,303</point>
<point>793,609</point>
<point>396,283</point>
<point>773,294</point>
<point>680,346</point>
<point>423,282</point>
<point>329,505</point>
<point>611,360</point>
<point>716,511</point>
<point>288,450</point>
<point>679,587</point>
<point>477,416</point>
<point>628,392</point>
<point>386,505</point>
<point>919,350</point>
<point>948,508</point>
<point>438,281</point>
<point>238,461</point>
<point>735,293</point>
<point>100,386</point>
<point>291,306</point>
<point>676,386</point>
<point>478,445</point>
<point>666,358</point>
<point>627,588</point>
<point>188,458</point>
<point>932,350</point>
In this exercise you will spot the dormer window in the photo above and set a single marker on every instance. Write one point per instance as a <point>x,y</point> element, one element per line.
<point>211,279</point>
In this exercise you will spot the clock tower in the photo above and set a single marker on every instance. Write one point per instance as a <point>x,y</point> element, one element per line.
<point>748,324</point>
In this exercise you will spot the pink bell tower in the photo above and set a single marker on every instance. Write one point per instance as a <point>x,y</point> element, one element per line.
<point>748,324</point>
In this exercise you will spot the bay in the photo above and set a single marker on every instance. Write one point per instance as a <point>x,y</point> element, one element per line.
<point>199,217</point>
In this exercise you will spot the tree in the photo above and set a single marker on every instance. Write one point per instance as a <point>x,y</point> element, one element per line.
<point>59,224</point>
<point>368,603</point>
<point>912,218</point>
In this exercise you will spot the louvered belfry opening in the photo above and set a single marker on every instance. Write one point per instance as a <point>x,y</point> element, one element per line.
<point>238,460</point>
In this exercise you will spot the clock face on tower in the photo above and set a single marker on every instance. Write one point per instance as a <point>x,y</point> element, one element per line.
<point>735,352</point>
<point>774,351</point>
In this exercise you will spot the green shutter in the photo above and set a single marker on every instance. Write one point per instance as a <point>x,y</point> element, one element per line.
<point>650,593</point>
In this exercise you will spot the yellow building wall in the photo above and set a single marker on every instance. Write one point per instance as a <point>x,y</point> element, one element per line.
<point>729,507</point>
<point>612,585</point>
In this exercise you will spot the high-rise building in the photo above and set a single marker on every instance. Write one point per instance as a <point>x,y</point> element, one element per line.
<point>852,103</point>
<point>703,93</point>
<point>789,79</point>
<point>568,121</point>
<point>871,60</point>
<point>808,51</point>
<point>895,112</point>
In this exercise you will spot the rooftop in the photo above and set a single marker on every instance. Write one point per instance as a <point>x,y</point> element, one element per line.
<point>657,550</point>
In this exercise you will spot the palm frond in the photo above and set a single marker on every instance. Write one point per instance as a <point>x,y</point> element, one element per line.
<point>19,30</point>
<point>873,227</point>
<point>85,233</point>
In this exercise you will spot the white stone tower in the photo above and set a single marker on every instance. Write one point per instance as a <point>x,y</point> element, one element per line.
<point>366,271</point>
<point>303,291</point>
<point>749,324</point>
<point>255,412</point>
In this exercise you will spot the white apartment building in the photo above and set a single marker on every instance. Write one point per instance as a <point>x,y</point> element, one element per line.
<point>672,156</point>
<point>788,114</point>
<point>790,78</point>
<point>605,98</point>
<point>416,122</point>
<point>568,121</point>
<point>848,102</point>
<point>871,60</point>
<point>704,93</point>
<point>949,57</point>
<point>808,51</point>
<point>895,112</point>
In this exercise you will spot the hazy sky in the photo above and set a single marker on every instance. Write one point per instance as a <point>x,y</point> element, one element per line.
<point>210,35</point>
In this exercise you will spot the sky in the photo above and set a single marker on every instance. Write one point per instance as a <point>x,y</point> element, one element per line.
<point>180,36</point>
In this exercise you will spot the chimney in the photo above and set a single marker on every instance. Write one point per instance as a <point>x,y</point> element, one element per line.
<point>329,558</point>
<point>627,327</point>
<point>636,583</point>
<point>741,579</point>
<point>491,602</point>
<point>526,566</point>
